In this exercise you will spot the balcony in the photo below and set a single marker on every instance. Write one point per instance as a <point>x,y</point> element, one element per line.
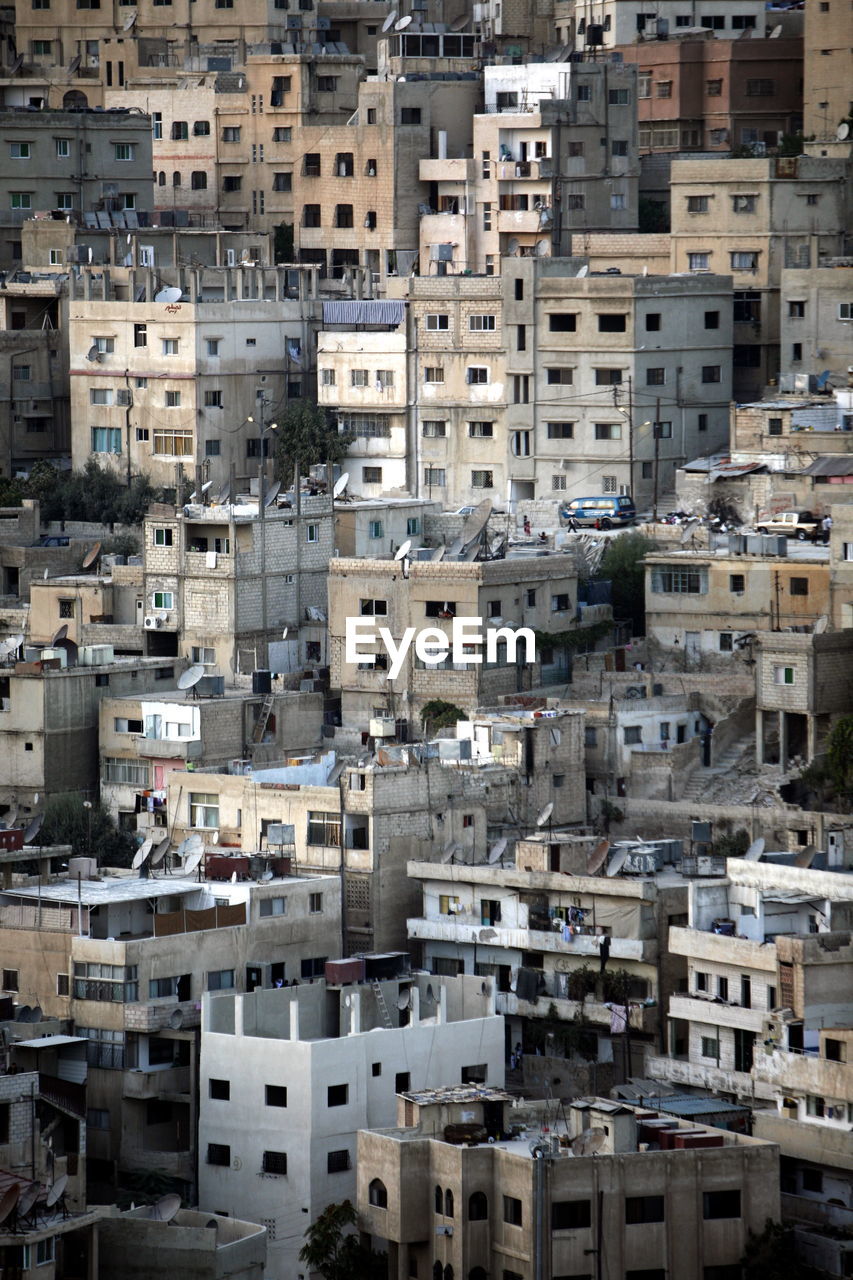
<point>465,927</point>
<point>716,1012</point>
<point>169,748</point>
<point>704,1075</point>
<point>644,1018</point>
<point>169,1083</point>
<point>519,221</point>
<point>824,1143</point>
<point>522,169</point>
<point>793,1072</point>
<point>447,170</point>
<point>701,944</point>
<point>154,1017</point>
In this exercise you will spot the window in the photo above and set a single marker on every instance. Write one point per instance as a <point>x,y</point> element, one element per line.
<point>481,323</point>
<point>402,1082</point>
<point>282,134</point>
<point>315,904</point>
<point>608,431</point>
<point>437,321</point>
<point>106,983</point>
<point>655,377</point>
<point>100,395</point>
<point>783,675</point>
<point>106,440</point>
<point>560,602</point>
<point>337,1095</point>
<point>559,377</point>
<point>520,444</point>
<point>218,1153</point>
<point>20,200</point>
<point>608,377</point>
<point>275,1095</point>
<point>799,586</point>
<point>697,204</point>
<point>124,150</point>
<point>377,1194</point>
<point>721,1204</point>
<point>512,1211</point>
<point>664,88</point>
<point>435,476</point>
<point>343,215</point>
<point>744,204</point>
<point>673,580</point>
<point>711,373</point>
<point>815,1106</point>
<point>169,346</point>
<point>220,980</point>
<point>339,1162</point>
<point>477,375</point>
<point>609,322</point>
<point>10,979</point>
<point>324,828</point>
<point>433,373</point>
<point>312,533</point>
<point>570,1215</point>
<point>173,399</point>
<point>760,88</point>
<point>231,133</point>
<point>584,92</point>
<point>481,430</point>
<point>796,310</point>
<point>560,430</point>
<point>711,1049</point>
<point>726,639</point>
<point>744,260</point>
<point>482,480</point>
<point>20,150</point>
<point>375,527</point>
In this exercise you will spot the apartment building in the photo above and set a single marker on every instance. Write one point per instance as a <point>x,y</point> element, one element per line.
<point>826,83</point>
<point>128,960</point>
<point>530,1206</point>
<point>536,922</point>
<point>802,685</point>
<point>816,316</point>
<point>34,408</point>
<point>76,162</point>
<point>98,609</point>
<point>222,583</point>
<point>26,554</point>
<point>399,519</point>
<point>613,379</point>
<point>159,384</point>
<point>699,93</point>
<point>752,218</point>
<point>840,555</point>
<point>706,601</point>
<point>317,1064</point>
<point>540,169</point>
<point>201,1244</point>
<point>612,23</point>
<point>141,740</point>
<point>767,947</point>
<point>532,591</point>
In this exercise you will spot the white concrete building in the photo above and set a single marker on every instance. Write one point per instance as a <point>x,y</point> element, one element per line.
<point>594,23</point>
<point>289,1077</point>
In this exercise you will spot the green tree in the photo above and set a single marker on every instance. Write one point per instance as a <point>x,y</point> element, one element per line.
<point>438,714</point>
<point>771,1255</point>
<point>839,756</point>
<point>337,1253</point>
<point>90,832</point>
<point>622,565</point>
<point>305,437</point>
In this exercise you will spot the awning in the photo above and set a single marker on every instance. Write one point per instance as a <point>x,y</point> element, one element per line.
<point>834,465</point>
<point>364,311</point>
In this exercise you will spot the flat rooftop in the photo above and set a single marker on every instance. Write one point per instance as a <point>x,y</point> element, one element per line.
<point>460,1093</point>
<point>94,893</point>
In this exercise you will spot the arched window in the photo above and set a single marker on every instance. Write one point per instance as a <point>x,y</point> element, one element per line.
<point>439,1200</point>
<point>198,181</point>
<point>377,1195</point>
<point>448,1204</point>
<point>448,1272</point>
<point>478,1207</point>
<point>436,1271</point>
<point>75,100</point>
<point>161,179</point>
<point>176,179</point>
<point>477,1273</point>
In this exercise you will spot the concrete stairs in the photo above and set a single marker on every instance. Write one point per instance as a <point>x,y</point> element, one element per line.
<point>702,779</point>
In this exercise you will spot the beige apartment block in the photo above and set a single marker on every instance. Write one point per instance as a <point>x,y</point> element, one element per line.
<point>532,1208</point>
<point>816,320</point>
<point>160,386</point>
<point>515,26</point>
<point>538,171</point>
<point>702,602</point>
<point>401,520</point>
<point>753,218</point>
<point>803,683</point>
<point>827,99</point>
<point>591,24</point>
<point>538,592</point>
<point>34,410</point>
<point>221,583</point>
<point>102,608</point>
<point>840,558</point>
<point>593,362</point>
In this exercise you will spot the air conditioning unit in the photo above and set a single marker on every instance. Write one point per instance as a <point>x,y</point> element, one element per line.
<point>151,622</point>
<point>381,727</point>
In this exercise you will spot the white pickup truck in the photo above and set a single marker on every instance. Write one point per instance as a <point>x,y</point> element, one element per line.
<point>801,525</point>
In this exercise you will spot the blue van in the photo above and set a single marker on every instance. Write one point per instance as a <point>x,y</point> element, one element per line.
<point>603,512</point>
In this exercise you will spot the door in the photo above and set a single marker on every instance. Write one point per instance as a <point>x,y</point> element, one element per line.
<point>743,1049</point>
<point>692,643</point>
<point>254,976</point>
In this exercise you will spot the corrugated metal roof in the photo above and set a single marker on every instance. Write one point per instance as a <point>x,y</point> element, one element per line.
<point>834,465</point>
<point>364,311</point>
<point>686,1104</point>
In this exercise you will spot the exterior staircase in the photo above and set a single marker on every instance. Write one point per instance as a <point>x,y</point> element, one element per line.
<point>701,777</point>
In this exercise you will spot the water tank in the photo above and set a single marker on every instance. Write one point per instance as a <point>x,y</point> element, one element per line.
<point>262,681</point>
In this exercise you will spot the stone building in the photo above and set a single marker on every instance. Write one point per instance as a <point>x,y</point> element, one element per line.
<point>816,316</point>
<point>101,609</point>
<point>803,683</point>
<point>505,1193</point>
<point>592,24</point>
<point>826,83</point>
<point>316,1064</point>
<point>34,407</point>
<point>365,526</point>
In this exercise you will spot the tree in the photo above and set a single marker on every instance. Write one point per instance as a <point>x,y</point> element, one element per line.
<point>305,438</point>
<point>438,714</point>
<point>622,564</point>
<point>90,832</point>
<point>839,756</point>
<point>338,1254</point>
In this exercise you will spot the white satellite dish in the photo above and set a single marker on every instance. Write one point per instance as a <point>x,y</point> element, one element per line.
<point>555,735</point>
<point>93,353</point>
<point>403,1000</point>
<point>284,633</point>
<point>233,877</point>
<point>450,849</point>
<point>390,20</point>
<point>687,531</point>
<point>617,862</point>
<point>192,861</point>
<point>340,484</point>
<point>755,850</point>
<point>403,23</point>
<point>403,550</point>
<point>187,679</point>
<point>842,133</point>
<point>127,24</point>
<point>595,861</point>
<point>544,814</point>
<point>497,850</point>
<point>820,625</point>
<point>171,294</point>
<point>584,271</point>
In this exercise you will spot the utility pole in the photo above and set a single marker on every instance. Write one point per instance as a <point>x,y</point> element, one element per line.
<point>630,436</point>
<point>656,435</point>
<point>262,466</point>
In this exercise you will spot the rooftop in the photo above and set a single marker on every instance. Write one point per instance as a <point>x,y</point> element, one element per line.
<point>93,893</point>
<point>462,1093</point>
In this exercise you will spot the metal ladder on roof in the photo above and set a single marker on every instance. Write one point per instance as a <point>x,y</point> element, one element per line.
<point>263,718</point>
<point>383,1008</point>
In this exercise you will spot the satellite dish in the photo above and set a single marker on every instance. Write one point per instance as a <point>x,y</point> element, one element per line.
<point>192,861</point>
<point>214,839</point>
<point>476,522</point>
<point>403,23</point>
<point>487,935</point>
<point>22,1013</point>
<point>189,678</point>
<point>268,874</point>
<point>343,480</point>
<point>577,1143</point>
<point>595,1140</point>
<point>170,294</point>
<point>93,353</point>
<point>165,1208</point>
<point>429,994</point>
<point>224,494</point>
<point>460,23</point>
<point>820,625</point>
<point>755,850</point>
<point>450,848</point>
<point>403,550</point>
<point>596,859</point>
<point>12,816</point>
<point>159,852</point>
<point>194,842</point>
<point>141,854</point>
<point>33,828</point>
<point>57,1191</point>
<point>35,1014</point>
<point>273,494</point>
<point>687,531</point>
<point>556,736</point>
<point>497,850</point>
<point>36,798</point>
<point>805,857</point>
<point>233,877</point>
<point>9,1201</point>
<point>544,814</point>
<point>91,556</point>
<point>842,133</point>
<point>59,635</point>
<point>542,247</point>
<point>617,862</point>
<point>403,1000</point>
<point>128,22</point>
<point>437,555</point>
<point>584,271</point>
<point>284,633</point>
<point>176,1019</point>
<point>390,20</point>
<point>29,1195</point>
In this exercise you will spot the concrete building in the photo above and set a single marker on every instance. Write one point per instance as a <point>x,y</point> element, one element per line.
<point>802,685</point>
<point>707,601</point>
<point>532,591</point>
<point>816,318</point>
<point>519,922</point>
<point>34,400</point>
<point>27,555</point>
<point>100,609</point>
<point>318,1063</point>
<point>700,93</point>
<point>157,385</point>
<point>591,24</point>
<point>538,172</point>
<point>142,740</point>
<point>222,582</point>
<point>198,1246</point>
<point>753,218</point>
<point>529,1206</point>
<point>102,161</point>
<point>399,519</point>
<point>826,84</point>
<point>128,960</point>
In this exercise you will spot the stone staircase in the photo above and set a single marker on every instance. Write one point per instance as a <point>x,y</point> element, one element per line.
<point>701,778</point>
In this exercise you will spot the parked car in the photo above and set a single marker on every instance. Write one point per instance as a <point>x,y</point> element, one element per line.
<point>601,512</point>
<point>796,524</point>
